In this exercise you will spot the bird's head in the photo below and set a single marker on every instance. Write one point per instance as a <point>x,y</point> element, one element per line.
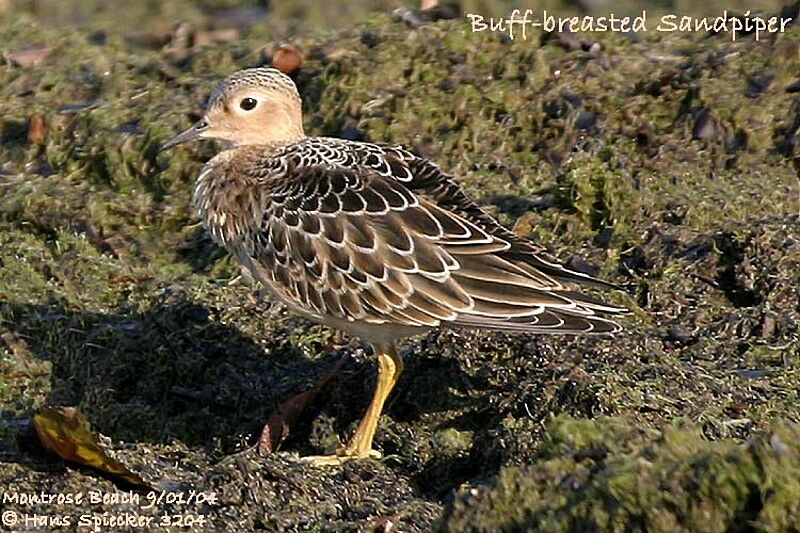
<point>251,106</point>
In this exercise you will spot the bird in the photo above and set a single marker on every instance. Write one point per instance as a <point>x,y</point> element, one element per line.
<point>369,238</point>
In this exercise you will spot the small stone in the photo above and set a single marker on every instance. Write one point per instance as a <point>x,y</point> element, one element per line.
<point>698,248</point>
<point>351,131</point>
<point>98,38</point>
<point>586,120</point>
<point>679,335</point>
<point>767,326</point>
<point>14,343</point>
<point>704,127</point>
<point>40,166</point>
<point>130,326</point>
<point>603,237</point>
<point>131,126</point>
<point>9,170</point>
<point>287,59</point>
<point>568,41</point>
<point>751,374</point>
<point>737,142</point>
<point>634,260</point>
<point>758,84</point>
<point>369,38</point>
<point>579,264</point>
<point>37,130</point>
<point>555,108</point>
<point>408,16</point>
<point>777,445</point>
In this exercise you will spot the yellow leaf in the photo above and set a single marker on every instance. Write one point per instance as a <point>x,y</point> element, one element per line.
<point>66,432</point>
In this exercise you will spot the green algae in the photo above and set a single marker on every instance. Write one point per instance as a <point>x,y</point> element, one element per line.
<point>606,475</point>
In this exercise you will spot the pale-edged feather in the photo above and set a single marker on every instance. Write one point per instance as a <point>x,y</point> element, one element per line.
<point>372,233</point>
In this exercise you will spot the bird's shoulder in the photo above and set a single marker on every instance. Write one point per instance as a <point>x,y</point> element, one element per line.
<point>315,164</point>
<point>311,155</point>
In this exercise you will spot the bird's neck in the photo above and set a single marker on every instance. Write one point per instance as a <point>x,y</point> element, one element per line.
<point>226,198</point>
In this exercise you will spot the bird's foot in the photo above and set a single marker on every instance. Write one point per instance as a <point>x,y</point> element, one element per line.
<point>340,457</point>
<point>360,446</point>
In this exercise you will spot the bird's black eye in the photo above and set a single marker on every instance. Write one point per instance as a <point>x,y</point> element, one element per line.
<point>248,103</point>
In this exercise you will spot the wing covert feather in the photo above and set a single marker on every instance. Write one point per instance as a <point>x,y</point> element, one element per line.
<point>372,233</point>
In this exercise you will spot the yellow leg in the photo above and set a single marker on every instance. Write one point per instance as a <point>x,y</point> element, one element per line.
<point>390,365</point>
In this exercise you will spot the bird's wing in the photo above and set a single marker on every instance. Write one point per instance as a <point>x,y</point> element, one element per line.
<point>423,176</point>
<point>360,244</point>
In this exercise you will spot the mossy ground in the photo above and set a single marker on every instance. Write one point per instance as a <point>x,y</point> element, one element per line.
<point>657,163</point>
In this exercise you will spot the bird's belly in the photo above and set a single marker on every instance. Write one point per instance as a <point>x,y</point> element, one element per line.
<point>374,333</point>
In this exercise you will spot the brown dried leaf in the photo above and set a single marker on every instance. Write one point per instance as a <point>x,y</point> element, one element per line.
<point>66,432</point>
<point>29,57</point>
<point>281,420</point>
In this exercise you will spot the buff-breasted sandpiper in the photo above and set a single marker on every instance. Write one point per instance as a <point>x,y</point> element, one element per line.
<point>368,238</point>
